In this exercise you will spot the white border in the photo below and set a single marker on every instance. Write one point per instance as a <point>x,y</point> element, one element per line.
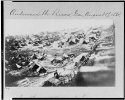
<point>79,92</point>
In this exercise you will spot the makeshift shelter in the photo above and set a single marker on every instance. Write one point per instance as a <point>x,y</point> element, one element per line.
<point>92,39</point>
<point>41,70</point>
<point>35,67</point>
<point>79,57</point>
<point>72,42</point>
<point>84,42</point>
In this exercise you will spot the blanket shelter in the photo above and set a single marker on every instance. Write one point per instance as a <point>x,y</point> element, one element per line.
<point>36,67</point>
<point>41,70</point>
<point>73,41</point>
<point>84,42</point>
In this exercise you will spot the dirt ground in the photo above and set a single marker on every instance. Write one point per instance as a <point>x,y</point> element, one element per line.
<point>90,78</point>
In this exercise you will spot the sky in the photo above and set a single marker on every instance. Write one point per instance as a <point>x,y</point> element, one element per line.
<point>34,26</point>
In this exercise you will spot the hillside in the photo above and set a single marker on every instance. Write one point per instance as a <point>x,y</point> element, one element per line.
<point>20,50</point>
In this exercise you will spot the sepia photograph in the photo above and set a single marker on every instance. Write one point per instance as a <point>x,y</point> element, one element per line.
<point>59,53</point>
